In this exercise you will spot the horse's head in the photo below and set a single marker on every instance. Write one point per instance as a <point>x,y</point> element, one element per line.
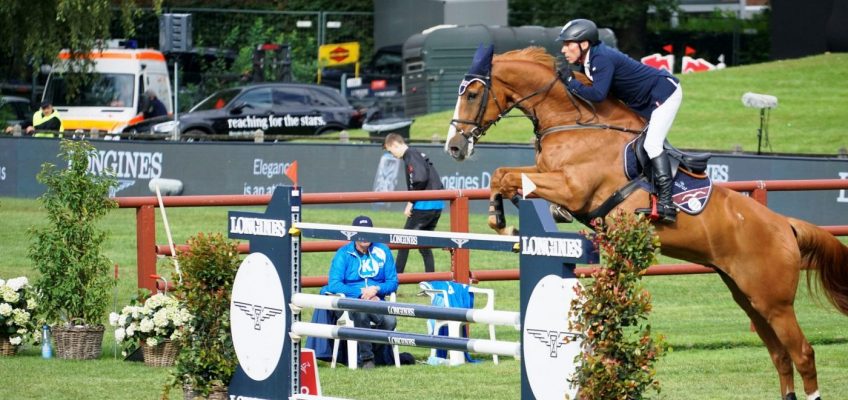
<point>477,107</point>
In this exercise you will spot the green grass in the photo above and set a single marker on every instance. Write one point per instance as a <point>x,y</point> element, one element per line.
<point>715,355</point>
<point>812,94</point>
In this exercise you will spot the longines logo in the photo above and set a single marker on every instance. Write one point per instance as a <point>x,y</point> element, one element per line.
<point>403,239</point>
<point>553,339</point>
<point>348,234</point>
<point>551,247</point>
<point>127,166</point>
<point>401,341</point>
<point>258,226</point>
<point>258,313</point>
<point>405,311</point>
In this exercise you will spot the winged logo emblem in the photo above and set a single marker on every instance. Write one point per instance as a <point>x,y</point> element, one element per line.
<point>348,234</point>
<point>257,313</point>
<point>553,339</point>
<point>460,242</point>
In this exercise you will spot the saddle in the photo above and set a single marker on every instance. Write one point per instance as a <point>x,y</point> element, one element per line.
<point>691,190</point>
<point>695,163</point>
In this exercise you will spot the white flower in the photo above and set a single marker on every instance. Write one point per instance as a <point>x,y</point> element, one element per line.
<point>10,296</point>
<point>20,317</point>
<point>2,282</point>
<point>131,329</point>
<point>17,283</point>
<point>120,334</point>
<point>146,325</point>
<point>113,319</point>
<point>161,318</point>
<point>151,341</point>
<point>31,304</point>
<point>15,340</point>
<point>122,320</point>
<point>5,309</point>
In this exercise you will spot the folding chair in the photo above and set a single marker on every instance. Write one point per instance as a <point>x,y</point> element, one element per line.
<point>454,327</point>
<point>352,345</point>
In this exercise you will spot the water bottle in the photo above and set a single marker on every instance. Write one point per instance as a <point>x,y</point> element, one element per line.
<point>46,348</point>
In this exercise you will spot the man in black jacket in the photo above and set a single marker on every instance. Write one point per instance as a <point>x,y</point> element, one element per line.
<point>421,215</point>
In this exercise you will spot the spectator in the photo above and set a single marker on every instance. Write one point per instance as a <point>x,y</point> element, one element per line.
<point>45,119</point>
<point>151,106</point>
<point>422,215</point>
<point>364,270</point>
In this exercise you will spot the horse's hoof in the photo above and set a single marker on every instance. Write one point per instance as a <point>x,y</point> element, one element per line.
<point>790,396</point>
<point>560,214</point>
<point>515,199</point>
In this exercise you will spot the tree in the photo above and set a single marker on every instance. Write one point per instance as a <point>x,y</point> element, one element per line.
<point>32,35</point>
<point>628,18</point>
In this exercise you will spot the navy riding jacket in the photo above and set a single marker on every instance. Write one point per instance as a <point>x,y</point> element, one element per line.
<point>641,87</point>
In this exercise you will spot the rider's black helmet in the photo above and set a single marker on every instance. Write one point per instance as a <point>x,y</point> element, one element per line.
<point>578,30</point>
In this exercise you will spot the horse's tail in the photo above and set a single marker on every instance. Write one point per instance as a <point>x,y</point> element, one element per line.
<point>823,252</point>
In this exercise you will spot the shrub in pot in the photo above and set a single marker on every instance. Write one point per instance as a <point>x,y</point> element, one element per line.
<point>206,360</point>
<point>74,286</point>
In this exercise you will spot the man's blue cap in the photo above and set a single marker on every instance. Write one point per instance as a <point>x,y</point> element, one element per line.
<point>363,221</point>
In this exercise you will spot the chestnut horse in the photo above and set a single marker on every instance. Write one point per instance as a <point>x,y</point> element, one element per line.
<point>579,164</point>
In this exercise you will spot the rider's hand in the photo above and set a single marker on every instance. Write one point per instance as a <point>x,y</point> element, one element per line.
<point>565,73</point>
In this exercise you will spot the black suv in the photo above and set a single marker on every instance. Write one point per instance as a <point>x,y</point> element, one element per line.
<point>15,111</point>
<point>275,108</point>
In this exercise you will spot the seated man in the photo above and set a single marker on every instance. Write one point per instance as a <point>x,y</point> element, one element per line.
<point>366,271</point>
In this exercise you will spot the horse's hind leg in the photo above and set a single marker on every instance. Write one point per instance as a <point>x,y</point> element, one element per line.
<point>779,355</point>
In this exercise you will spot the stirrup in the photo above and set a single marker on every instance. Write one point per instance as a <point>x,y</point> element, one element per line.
<point>668,215</point>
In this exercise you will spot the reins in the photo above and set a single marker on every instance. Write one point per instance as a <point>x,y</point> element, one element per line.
<point>480,127</point>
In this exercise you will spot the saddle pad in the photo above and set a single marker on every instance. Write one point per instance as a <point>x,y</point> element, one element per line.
<point>690,193</point>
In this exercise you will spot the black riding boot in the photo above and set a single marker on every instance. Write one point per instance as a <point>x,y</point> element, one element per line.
<point>666,210</point>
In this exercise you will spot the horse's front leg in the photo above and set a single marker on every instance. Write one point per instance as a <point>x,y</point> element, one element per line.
<point>497,218</point>
<point>551,186</point>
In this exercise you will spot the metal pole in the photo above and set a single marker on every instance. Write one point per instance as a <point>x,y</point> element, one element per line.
<point>176,135</point>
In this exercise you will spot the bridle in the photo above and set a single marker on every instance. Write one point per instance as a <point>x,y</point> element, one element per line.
<point>480,127</point>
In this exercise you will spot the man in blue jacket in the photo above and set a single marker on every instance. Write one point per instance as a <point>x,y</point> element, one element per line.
<point>364,270</point>
<point>652,93</point>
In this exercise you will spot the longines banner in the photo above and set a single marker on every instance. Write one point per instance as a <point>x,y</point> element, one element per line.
<point>250,168</point>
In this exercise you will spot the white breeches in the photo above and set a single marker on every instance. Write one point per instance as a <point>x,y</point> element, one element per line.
<point>661,120</point>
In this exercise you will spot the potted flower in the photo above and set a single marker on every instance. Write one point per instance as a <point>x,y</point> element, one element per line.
<point>155,326</point>
<point>17,323</point>
<point>206,360</point>
<point>74,284</point>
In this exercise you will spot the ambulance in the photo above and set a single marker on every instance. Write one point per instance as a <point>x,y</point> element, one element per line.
<point>113,97</point>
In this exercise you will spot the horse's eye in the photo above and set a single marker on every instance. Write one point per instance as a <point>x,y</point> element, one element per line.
<point>472,96</point>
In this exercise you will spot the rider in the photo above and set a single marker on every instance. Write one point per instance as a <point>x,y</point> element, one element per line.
<point>652,93</point>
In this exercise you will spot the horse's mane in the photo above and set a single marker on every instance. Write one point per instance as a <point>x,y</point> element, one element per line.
<point>534,54</point>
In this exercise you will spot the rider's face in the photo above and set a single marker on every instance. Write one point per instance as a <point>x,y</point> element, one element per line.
<point>571,51</point>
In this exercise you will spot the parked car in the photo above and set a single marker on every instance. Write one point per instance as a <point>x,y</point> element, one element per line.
<point>275,108</point>
<point>15,111</point>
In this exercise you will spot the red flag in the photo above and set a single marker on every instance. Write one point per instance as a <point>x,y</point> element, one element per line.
<point>291,172</point>
<point>689,51</point>
<point>668,48</point>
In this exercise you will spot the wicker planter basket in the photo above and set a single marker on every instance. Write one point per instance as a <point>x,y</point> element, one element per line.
<point>217,393</point>
<point>78,342</point>
<point>6,347</point>
<point>161,355</point>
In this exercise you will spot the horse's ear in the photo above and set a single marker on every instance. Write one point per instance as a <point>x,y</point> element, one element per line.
<point>482,63</point>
